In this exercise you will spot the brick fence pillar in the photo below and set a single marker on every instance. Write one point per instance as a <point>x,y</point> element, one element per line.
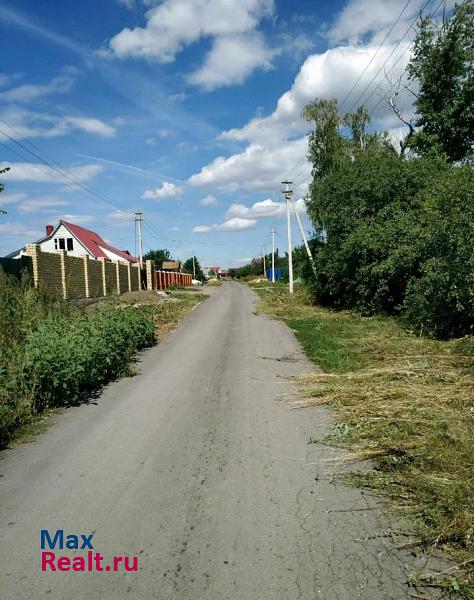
<point>150,275</point>
<point>129,276</point>
<point>102,259</point>
<point>64,274</point>
<point>34,251</point>
<point>87,286</point>
<point>117,275</point>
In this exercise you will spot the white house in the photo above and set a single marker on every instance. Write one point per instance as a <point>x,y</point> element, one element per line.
<point>77,241</point>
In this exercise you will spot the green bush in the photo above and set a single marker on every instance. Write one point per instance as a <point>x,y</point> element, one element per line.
<point>399,240</point>
<point>53,355</point>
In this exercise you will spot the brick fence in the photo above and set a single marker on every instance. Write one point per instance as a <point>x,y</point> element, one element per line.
<point>83,277</point>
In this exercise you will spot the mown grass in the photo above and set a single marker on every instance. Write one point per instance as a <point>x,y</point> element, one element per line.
<point>407,403</point>
<point>54,354</point>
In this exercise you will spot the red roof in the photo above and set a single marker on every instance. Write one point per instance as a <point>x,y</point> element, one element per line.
<point>94,244</point>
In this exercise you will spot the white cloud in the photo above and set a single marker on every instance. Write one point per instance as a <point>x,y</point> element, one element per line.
<point>234,224</point>
<point>36,205</point>
<point>119,216</point>
<point>276,146</point>
<point>14,229</point>
<point>29,92</point>
<point>231,59</point>
<point>87,124</point>
<point>11,198</point>
<point>76,219</point>
<point>361,17</point>
<point>174,24</point>
<point>263,209</point>
<point>257,168</point>
<point>26,124</point>
<point>327,75</point>
<point>42,174</point>
<point>160,133</point>
<point>4,79</point>
<point>167,190</point>
<point>208,201</point>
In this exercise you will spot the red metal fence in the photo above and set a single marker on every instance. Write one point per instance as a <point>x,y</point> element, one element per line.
<point>167,279</point>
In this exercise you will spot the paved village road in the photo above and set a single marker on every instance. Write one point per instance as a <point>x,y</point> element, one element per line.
<point>198,466</point>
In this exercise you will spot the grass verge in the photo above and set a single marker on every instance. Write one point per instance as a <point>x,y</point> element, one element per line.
<point>403,401</point>
<point>54,354</point>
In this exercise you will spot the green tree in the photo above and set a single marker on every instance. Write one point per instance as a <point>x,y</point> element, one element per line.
<point>158,256</point>
<point>443,65</point>
<point>188,268</point>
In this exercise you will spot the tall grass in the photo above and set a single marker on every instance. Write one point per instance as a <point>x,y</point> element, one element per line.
<point>51,354</point>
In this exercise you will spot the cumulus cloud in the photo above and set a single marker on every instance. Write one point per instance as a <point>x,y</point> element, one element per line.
<point>234,224</point>
<point>30,124</point>
<point>29,92</point>
<point>257,168</point>
<point>208,201</point>
<point>276,144</point>
<point>167,190</point>
<point>232,59</point>
<point>327,75</point>
<point>263,209</point>
<point>360,18</point>
<point>40,173</point>
<point>174,24</point>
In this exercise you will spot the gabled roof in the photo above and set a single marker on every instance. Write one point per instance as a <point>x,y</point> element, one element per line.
<point>91,241</point>
<point>94,244</point>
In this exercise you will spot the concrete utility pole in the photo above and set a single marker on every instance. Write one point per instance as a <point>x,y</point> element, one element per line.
<point>138,226</point>
<point>288,193</point>
<point>194,266</point>
<point>305,239</point>
<point>273,254</point>
<point>264,265</point>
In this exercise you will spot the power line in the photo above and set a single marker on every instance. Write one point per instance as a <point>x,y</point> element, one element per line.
<point>356,103</point>
<point>374,55</point>
<point>378,72</point>
<point>59,170</point>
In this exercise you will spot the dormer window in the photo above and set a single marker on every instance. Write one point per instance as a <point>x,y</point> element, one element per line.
<point>63,244</point>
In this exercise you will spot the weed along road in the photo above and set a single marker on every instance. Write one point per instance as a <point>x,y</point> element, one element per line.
<point>194,480</point>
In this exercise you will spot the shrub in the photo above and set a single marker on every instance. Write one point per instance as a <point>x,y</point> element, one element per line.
<point>53,355</point>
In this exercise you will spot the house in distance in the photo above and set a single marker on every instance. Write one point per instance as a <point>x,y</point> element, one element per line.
<point>77,241</point>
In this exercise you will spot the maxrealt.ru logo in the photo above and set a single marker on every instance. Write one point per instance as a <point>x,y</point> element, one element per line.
<point>90,561</point>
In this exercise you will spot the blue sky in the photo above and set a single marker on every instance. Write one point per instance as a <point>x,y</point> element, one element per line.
<point>187,109</point>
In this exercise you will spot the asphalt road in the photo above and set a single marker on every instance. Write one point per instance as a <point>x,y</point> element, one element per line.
<point>200,468</point>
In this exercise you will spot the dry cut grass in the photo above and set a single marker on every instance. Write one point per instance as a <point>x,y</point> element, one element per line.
<point>404,401</point>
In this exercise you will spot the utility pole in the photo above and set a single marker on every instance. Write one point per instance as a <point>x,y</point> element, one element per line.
<point>288,193</point>
<point>138,226</point>
<point>264,263</point>
<point>273,254</point>
<point>305,240</point>
<point>194,266</point>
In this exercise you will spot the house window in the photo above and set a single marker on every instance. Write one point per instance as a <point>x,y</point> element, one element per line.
<point>69,244</point>
<point>59,244</point>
